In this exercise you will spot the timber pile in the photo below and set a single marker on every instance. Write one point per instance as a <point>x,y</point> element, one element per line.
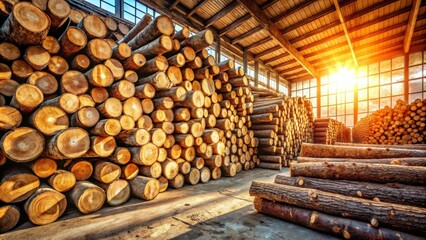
<point>281,125</point>
<point>329,131</point>
<point>351,191</point>
<point>403,124</point>
<point>93,117</point>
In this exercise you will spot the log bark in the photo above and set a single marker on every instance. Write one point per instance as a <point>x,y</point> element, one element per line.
<point>146,19</point>
<point>338,226</point>
<point>144,187</point>
<point>159,26</point>
<point>365,172</point>
<point>116,192</point>
<point>11,118</point>
<point>394,161</point>
<point>72,41</point>
<point>67,144</point>
<point>9,217</point>
<point>331,151</point>
<point>93,26</point>
<point>391,192</point>
<point>145,155</point>
<point>405,218</point>
<point>177,182</point>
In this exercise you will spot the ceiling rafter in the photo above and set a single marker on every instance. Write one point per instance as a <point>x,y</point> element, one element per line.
<point>198,6</point>
<point>268,51</point>
<point>292,10</point>
<point>258,43</point>
<point>221,13</point>
<point>268,4</point>
<point>234,25</point>
<point>412,19</point>
<point>173,5</point>
<point>246,34</point>
<point>252,7</point>
<point>348,38</point>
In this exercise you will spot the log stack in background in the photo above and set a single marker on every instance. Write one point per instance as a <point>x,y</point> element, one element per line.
<point>93,112</point>
<point>281,124</point>
<point>353,192</point>
<point>403,124</point>
<point>329,131</point>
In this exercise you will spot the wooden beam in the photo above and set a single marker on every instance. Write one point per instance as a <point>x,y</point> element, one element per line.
<point>315,17</point>
<point>252,7</point>
<point>296,74</point>
<point>218,48</point>
<point>268,79</point>
<point>412,19</point>
<point>277,82</point>
<point>292,10</point>
<point>221,13</point>
<point>348,38</point>
<point>234,25</point>
<point>245,65</point>
<point>287,70</point>
<point>268,4</point>
<point>268,51</point>
<point>258,43</point>
<point>173,5</point>
<point>276,58</point>
<point>285,63</point>
<point>198,6</point>
<point>246,34</point>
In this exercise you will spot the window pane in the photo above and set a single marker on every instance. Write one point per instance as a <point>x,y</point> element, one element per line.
<point>332,99</point>
<point>385,91</point>
<point>395,99</point>
<point>349,120</point>
<point>415,72</point>
<point>362,94</point>
<point>415,58</point>
<point>398,62</point>
<point>332,111</point>
<point>397,89</point>
<point>363,106</point>
<point>373,80</point>
<point>398,75</point>
<point>362,71</point>
<point>361,116</point>
<point>313,82</point>
<point>313,101</point>
<point>362,83</point>
<point>324,112</point>
<point>306,92</point>
<point>313,92</point>
<point>349,108</point>
<point>306,84</point>
<point>414,96</point>
<point>324,90</point>
<point>299,85</point>
<point>340,98</point>
<point>385,66</point>
<point>341,109</point>
<point>415,86</point>
<point>373,105</point>
<point>373,68</point>
<point>324,100</point>
<point>349,97</point>
<point>385,78</point>
<point>373,92</point>
<point>385,102</point>
<point>293,86</point>
<point>332,88</point>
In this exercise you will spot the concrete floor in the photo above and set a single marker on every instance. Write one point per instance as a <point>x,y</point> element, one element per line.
<point>221,209</point>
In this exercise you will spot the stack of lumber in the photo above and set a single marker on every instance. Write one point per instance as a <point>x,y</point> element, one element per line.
<point>329,131</point>
<point>281,124</point>
<point>402,124</point>
<point>351,191</point>
<point>87,120</point>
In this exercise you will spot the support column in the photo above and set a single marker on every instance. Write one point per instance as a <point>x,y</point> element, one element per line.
<point>406,67</point>
<point>318,97</point>
<point>268,78</point>
<point>245,61</point>
<point>119,8</point>
<point>356,109</point>
<point>277,79</point>
<point>256,73</point>
<point>217,57</point>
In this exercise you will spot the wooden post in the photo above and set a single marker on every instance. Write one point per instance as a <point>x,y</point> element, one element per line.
<point>277,80</point>
<point>319,97</point>
<point>406,66</point>
<point>218,45</point>
<point>256,73</point>
<point>355,99</point>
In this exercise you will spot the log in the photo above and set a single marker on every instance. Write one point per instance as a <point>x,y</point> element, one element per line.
<point>145,122</point>
<point>9,52</point>
<point>45,206</point>
<point>365,172</point>
<point>134,62</point>
<point>205,175</point>
<point>27,98</point>
<point>156,64</point>
<point>193,177</point>
<point>87,197</point>
<point>23,28</point>
<point>123,90</point>
<point>338,226</point>
<point>45,81</point>
<point>93,26</point>
<point>122,51</point>
<point>177,182</point>
<point>129,171</point>
<point>9,217</point>
<point>164,184</point>
<point>100,147</point>
<point>159,80</point>
<point>100,76</point>
<point>405,218</point>
<point>43,167</point>
<point>22,144</point>
<point>116,192</point>
<point>62,180</point>
<point>403,146</point>
<point>134,137</point>
<point>144,187</point>
<point>157,27</point>
<point>58,12</point>
<point>200,40</point>
<point>17,184</point>
<point>116,68</point>
<point>67,144</point>
<point>170,169</point>
<point>229,171</point>
<point>10,119</point>
<point>49,120</point>
<point>395,161</point>
<point>80,63</point>
<point>145,91</point>
<point>51,45</point>
<point>106,127</point>
<point>176,93</point>
<point>68,102</point>
<point>81,169</point>
<point>153,171</point>
<point>139,26</point>
<point>391,192</point>
<point>72,41</point>
<point>111,108</point>
<point>159,46</point>
<point>331,151</point>
<point>126,122</point>
<point>145,155</point>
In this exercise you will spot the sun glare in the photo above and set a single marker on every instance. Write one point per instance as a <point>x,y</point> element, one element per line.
<point>344,79</point>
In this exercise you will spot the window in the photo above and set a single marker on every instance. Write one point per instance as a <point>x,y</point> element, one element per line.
<point>307,88</point>
<point>380,85</point>
<point>417,76</point>
<point>108,5</point>
<point>134,10</point>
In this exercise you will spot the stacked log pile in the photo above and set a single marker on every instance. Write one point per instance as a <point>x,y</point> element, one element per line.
<point>402,124</point>
<point>281,125</point>
<point>92,117</point>
<point>350,191</point>
<point>329,131</point>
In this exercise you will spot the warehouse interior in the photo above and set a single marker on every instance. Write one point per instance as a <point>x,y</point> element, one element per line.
<point>202,119</point>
